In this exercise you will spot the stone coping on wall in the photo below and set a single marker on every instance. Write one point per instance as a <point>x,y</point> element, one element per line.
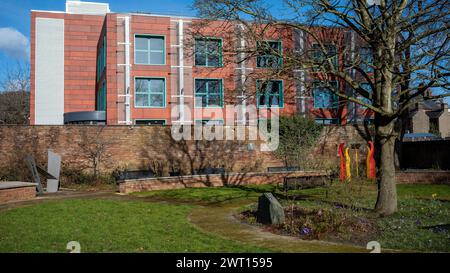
<point>16,191</point>
<point>211,180</point>
<point>15,184</point>
<point>424,171</point>
<point>293,173</point>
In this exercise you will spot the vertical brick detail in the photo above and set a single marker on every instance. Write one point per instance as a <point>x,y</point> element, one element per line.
<point>81,35</point>
<point>111,69</point>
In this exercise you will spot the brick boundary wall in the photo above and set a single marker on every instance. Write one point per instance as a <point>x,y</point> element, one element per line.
<point>214,180</point>
<point>423,177</point>
<point>135,147</point>
<point>217,180</point>
<point>125,147</point>
<point>17,194</point>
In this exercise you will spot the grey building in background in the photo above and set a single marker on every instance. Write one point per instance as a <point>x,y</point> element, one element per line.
<point>430,116</point>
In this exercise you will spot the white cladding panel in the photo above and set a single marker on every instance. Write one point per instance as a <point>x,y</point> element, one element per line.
<point>49,72</point>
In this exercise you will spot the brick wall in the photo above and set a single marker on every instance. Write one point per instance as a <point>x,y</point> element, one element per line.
<point>423,177</point>
<point>142,147</point>
<point>201,181</point>
<point>139,147</point>
<point>332,136</point>
<point>81,35</point>
<point>124,147</point>
<point>17,194</point>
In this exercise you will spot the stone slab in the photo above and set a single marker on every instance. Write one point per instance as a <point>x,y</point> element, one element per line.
<point>15,185</point>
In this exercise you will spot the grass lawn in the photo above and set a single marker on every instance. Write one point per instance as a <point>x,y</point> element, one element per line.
<point>107,226</point>
<point>141,226</point>
<point>209,195</point>
<point>420,207</point>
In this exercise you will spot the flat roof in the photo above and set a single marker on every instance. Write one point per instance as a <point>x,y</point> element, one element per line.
<point>130,13</point>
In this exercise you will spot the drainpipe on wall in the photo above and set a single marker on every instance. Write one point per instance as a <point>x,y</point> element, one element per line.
<point>243,76</point>
<point>181,69</point>
<point>354,118</point>
<point>126,63</point>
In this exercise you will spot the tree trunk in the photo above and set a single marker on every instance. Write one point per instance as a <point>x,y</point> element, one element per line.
<point>387,191</point>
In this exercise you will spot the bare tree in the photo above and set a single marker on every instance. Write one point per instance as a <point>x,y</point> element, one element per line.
<point>15,95</point>
<point>94,149</point>
<point>407,42</point>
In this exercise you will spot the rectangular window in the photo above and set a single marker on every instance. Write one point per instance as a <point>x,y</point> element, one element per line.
<point>270,54</point>
<point>150,92</point>
<point>150,122</point>
<point>319,57</point>
<point>209,122</point>
<point>269,93</point>
<point>366,56</point>
<point>149,50</point>
<point>208,52</point>
<point>208,93</point>
<point>101,97</point>
<point>369,121</point>
<point>101,58</point>
<point>365,86</point>
<point>327,121</point>
<point>324,97</point>
<point>434,127</point>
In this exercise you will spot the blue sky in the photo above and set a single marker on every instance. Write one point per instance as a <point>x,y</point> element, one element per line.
<point>15,21</point>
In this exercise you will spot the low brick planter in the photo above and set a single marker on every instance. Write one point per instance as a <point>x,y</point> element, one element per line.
<point>16,191</point>
<point>213,180</point>
<point>423,177</point>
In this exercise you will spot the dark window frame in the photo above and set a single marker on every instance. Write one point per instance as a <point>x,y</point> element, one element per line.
<point>334,95</point>
<point>207,93</point>
<point>267,94</point>
<point>318,57</point>
<point>140,122</point>
<point>276,61</point>
<point>149,50</point>
<point>206,52</point>
<point>150,92</point>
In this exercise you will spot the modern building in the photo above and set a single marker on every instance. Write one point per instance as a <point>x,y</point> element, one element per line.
<point>91,65</point>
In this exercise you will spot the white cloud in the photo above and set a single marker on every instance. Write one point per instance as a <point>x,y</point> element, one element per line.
<point>14,44</point>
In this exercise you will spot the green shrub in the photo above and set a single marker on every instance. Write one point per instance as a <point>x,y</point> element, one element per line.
<point>298,135</point>
<point>74,176</point>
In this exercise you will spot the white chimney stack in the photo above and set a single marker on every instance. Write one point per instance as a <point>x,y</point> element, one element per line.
<point>90,8</point>
<point>373,2</point>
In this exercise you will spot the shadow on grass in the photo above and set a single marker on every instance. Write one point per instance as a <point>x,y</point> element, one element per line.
<point>231,193</point>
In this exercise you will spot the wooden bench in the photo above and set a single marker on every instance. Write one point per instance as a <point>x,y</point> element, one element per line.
<point>307,182</point>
